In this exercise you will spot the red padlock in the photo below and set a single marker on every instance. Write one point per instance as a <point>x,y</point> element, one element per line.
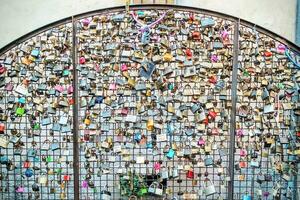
<point>243,164</point>
<point>298,134</point>
<point>26,164</point>
<point>86,136</point>
<point>2,128</point>
<point>189,53</point>
<point>196,35</point>
<point>268,53</point>
<point>212,79</point>
<point>190,174</point>
<point>67,177</point>
<point>212,114</point>
<point>205,121</point>
<point>82,60</point>
<point>71,101</point>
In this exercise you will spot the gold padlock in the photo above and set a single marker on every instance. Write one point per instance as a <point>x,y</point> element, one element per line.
<point>167,57</point>
<point>87,120</point>
<point>150,124</point>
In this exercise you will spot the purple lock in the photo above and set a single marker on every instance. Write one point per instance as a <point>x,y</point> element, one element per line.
<point>266,194</point>
<point>84,184</point>
<point>20,189</point>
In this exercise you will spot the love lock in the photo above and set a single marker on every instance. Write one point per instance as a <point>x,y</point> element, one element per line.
<point>105,195</point>
<point>209,188</point>
<point>247,197</point>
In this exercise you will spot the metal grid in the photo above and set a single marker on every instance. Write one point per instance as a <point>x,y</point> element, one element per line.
<point>239,187</point>
<point>94,37</point>
<point>266,141</point>
<point>29,168</point>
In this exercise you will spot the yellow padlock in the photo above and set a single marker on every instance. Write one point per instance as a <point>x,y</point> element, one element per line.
<point>150,124</point>
<point>167,57</point>
<point>87,121</point>
<point>171,109</point>
<point>131,82</point>
<point>148,93</point>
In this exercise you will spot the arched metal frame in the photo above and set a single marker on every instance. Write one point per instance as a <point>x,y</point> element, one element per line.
<point>75,18</point>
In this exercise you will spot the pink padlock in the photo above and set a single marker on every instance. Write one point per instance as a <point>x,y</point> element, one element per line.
<point>82,60</point>
<point>281,48</point>
<point>84,184</point>
<point>97,67</point>
<point>224,34</point>
<point>243,152</point>
<point>124,67</point>
<point>157,166</point>
<point>240,132</point>
<point>70,89</point>
<point>112,86</point>
<point>85,22</point>
<point>59,88</point>
<point>214,58</point>
<point>20,189</point>
<point>201,142</point>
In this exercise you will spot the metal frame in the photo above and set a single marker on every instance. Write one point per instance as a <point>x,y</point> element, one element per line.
<point>74,19</point>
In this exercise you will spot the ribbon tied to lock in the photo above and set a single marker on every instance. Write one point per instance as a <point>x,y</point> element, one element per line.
<point>145,28</point>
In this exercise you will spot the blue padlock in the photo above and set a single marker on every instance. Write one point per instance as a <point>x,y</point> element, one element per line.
<point>137,137</point>
<point>170,153</point>
<point>247,197</point>
<point>3,160</point>
<point>170,129</point>
<point>99,99</point>
<point>29,172</point>
<point>149,145</point>
<point>22,100</point>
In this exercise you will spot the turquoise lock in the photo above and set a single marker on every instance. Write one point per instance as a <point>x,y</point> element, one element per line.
<point>22,100</point>
<point>170,153</point>
<point>247,197</point>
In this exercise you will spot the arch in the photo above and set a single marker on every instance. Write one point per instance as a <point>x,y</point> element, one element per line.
<point>203,79</point>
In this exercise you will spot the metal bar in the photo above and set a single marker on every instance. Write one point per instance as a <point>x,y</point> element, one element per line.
<point>233,110</point>
<point>76,166</point>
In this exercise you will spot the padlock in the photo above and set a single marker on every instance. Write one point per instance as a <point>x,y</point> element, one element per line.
<point>55,145</point>
<point>150,124</point>
<point>209,188</point>
<point>27,164</point>
<point>190,174</point>
<point>247,197</point>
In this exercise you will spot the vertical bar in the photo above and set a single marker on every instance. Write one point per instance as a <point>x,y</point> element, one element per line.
<point>233,110</point>
<point>75,114</point>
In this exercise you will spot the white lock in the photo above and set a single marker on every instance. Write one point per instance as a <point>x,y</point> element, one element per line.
<point>209,189</point>
<point>105,195</point>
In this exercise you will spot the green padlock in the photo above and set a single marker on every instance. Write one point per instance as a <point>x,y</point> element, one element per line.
<point>20,111</point>
<point>36,126</point>
<point>143,191</point>
<point>49,159</point>
<point>58,171</point>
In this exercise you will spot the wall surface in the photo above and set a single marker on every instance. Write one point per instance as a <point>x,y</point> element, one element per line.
<point>21,17</point>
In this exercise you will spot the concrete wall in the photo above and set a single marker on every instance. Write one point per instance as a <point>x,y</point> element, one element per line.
<point>19,17</point>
